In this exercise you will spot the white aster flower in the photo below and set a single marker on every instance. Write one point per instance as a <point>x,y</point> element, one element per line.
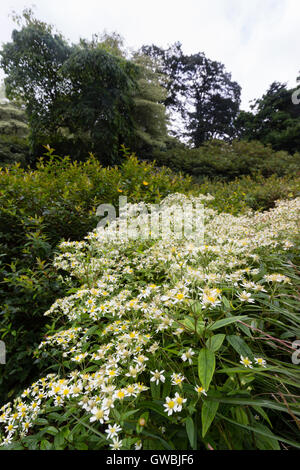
<point>260,361</point>
<point>112,431</point>
<point>99,414</point>
<point>246,362</point>
<point>200,390</point>
<point>177,379</point>
<point>246,297</point>
<point>179,401</point>
<point>187,356</point>
<point>157,376</point>
<point>138,445</point>
<point>170,405</point>
<point>116,444</point>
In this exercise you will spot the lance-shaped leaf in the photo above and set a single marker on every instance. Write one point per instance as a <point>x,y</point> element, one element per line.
<point>208,413</point>
<point>206,367</point>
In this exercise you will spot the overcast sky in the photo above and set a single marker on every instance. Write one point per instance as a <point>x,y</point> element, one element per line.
<point>257,40</point>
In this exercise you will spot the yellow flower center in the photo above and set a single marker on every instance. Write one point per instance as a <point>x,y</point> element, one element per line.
<point>99,414</point>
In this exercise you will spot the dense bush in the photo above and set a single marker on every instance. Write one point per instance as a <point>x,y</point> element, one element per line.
<point>13,120</point>
<point>13,135</point>
<point>218,159</point>
<point>257,193</point>
<point>170,343</point>
<point>57,200</point>
<point>13,150</point>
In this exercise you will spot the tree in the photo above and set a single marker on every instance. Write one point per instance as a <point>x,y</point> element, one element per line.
<point>214,97</point>
<point>32,63</point>
<point>274,119</point>
<point>98,102</point>
<point>85,97</point>
<point>148,113</point>
<point>78,98</point>
<point>200,93</point>
<point>110,42</point>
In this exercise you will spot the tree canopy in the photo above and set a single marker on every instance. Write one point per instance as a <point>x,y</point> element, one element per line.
<point>274,119</point>
<point>201,94</point>
<point>95,96</point>
<point>80,90</point>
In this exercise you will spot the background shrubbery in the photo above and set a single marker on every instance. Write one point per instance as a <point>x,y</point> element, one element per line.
<point>13,135</point>
<point>257,193</point>
<point>221,160</point>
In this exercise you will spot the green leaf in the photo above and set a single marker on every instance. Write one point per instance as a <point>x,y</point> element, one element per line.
<point>192,325</point>
<point>263,431</point>
<point>166,388</point>
<point>206,367</point>
<point>41,421</point>
<point>46,445</point>
<point>128,414</point>
<point>167,445</point>
<point>155,407</point>
<point>224,322</point>
<point>155,390</point>
<point>262,413</point>
<point>226,303</point>
<point>272,405</point>
<point>239,346</point>
<point>59,440</point>
<point>191,432</point>
<point>189,323</point>
<point>51,430</point>
<point>81,446</point>
<point>128,442</point>
<point>90,331</point>
<point>197,308</point>
<point>208,413</point>
<point>265,442</point>
<point>245,330</point>
<point>87,426</point>
<point>215,342</point>
<point>241,415</point>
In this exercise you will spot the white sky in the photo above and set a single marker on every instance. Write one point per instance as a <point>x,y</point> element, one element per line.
<point>257,40</point>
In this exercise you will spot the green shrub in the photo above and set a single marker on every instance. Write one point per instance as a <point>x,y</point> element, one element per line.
<point>218,159</point>
<point>257,193</point>
<point>171,344</point>
<point>13,120</point>
<point>13,150</point>
<point>13,135</point>
<point>57,200</point>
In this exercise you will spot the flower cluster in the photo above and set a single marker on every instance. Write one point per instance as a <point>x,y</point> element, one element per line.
<point>133,324</point>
